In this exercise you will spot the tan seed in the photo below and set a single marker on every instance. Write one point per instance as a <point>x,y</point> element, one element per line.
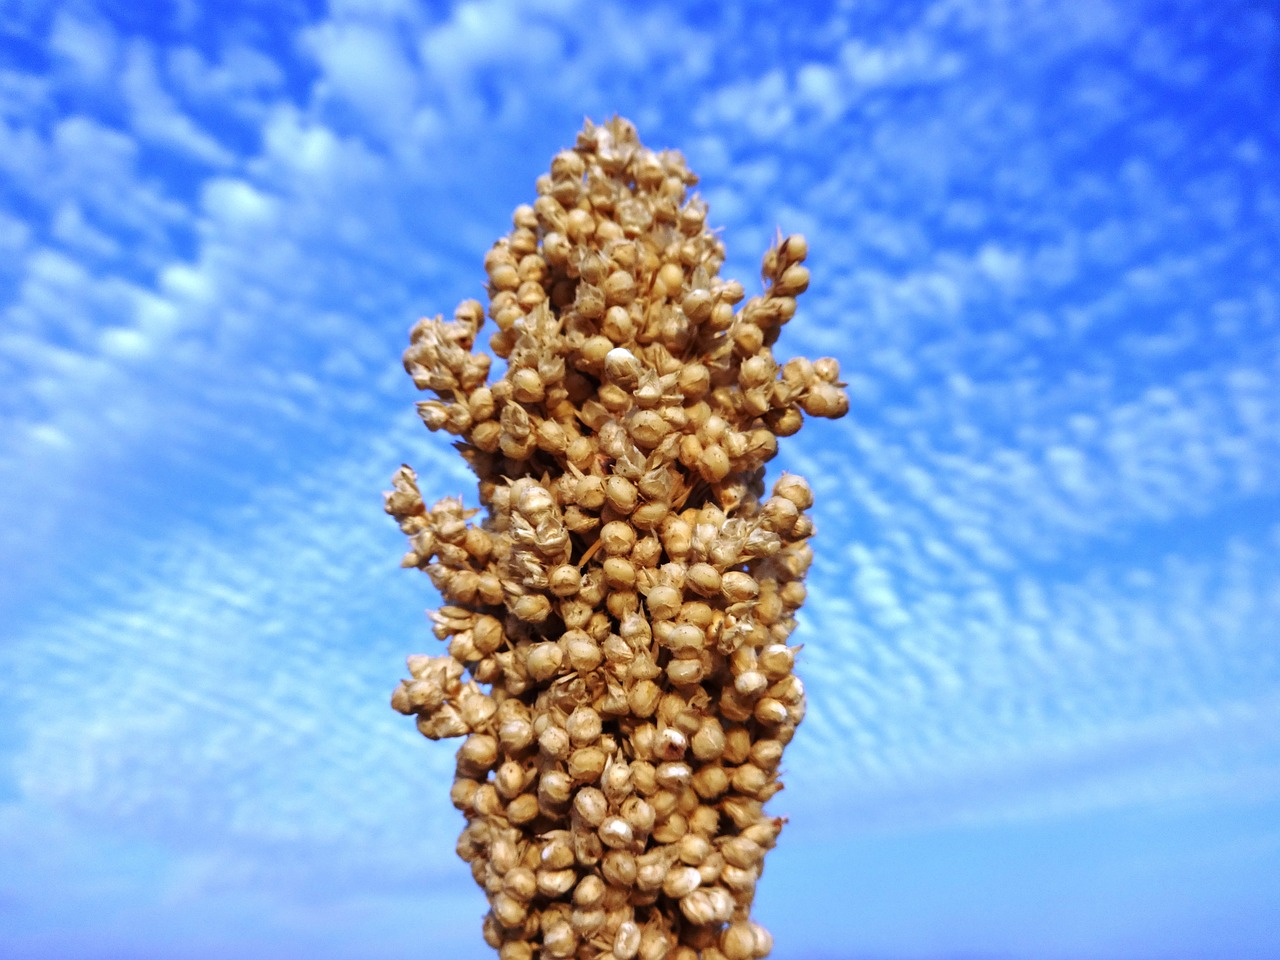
<point>681,881</point>
<point>543,660</point>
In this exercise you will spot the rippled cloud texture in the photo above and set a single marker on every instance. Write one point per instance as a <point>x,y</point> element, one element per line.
<point>1042,636</point>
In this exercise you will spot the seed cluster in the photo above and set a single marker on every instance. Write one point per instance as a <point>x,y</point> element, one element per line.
<point>628,598</point>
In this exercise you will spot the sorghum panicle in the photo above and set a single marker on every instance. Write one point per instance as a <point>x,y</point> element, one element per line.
<point>628,596</point>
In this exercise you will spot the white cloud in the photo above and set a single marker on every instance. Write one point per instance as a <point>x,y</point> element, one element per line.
<point>819,85</point>
<point>236,205</point>
<point>243,81</point>
<point>90,47</point>
<point>267,634</point>
<point>72,228</point>
<point>14,234</point>
<point>97,166</point>
<point>477,33</point>
<point>124,344</point>
<point>367,71</point>
<point>156,116</point>
<point>297,144</point>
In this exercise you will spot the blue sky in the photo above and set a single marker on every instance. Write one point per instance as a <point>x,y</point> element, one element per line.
<point>1041,637</point>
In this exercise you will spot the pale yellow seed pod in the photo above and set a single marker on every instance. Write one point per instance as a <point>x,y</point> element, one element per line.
<point>462,794</point>
<point>564,580</point>
<point>742,852</point>
<point>621,493</point>
<point>693,848</point>
<point>554,743</point>
<point>767,754</point>
<point>523,809</point>
<point>764,940</point>
<point>794,280</point>
<point>650,516</point>
<point>515,734</point>
<point>584,654</point>
<point>705,821</point>
<point>492,931</point>
<point>738,942</point>
<point>559,941</point>
<point>643,738</point>
<point>618,867</point>
<point>590,804</point>
<point>741,882</point>
<point>639,813</point>
<point>620,287</point>
<point>713,464</point>
<point>674,776</point>
<point>794,249</point>
<point>671,276</point>
<point>515,950</point>
<point>709,742</point>
<point>589,893</point>
<point>584,726</point>
<point>557,851</point>
<point>586,764</point>
<point>749,779</point>
<point>651,872</point>
<point>738,587</point>
<point>527,386</point>
<point>504,276</point>
<point>504,855</point>
<point>626,944</point>
<point>685,672</point>
<point>619,573</point>
<point>643,698</point>
<point>543,660</point>
<point>616,833</point>
<point>681,881</point>
<point>579,225</point>
<point>479,751</point>
<point>794,488</point>
<point>670,744</point>
<point>700,909</point>
<point>617,326</point>
<point>770,712</point>
<point>710,782</point>
<point>697,305</point>
<point>423,696</point>
<point>509,779</point>
<point>710,868</point>
<point>721,317</point>
<point>677,537</point>
<point>556,883</point>
<point>750,684</point>
<point>663,602</point>
<point>663,801</point>
<point>686,640</point>
<point>615,782</point>
<point>623,368</point>
<point>590,492</point>
<point>509,911</point>
<point>776,660</point>
<point>617,538</point>
<point>554,790</point>
<point>587,922</point>
<point>737,744</point>
<point>532,608</point>
<point>647,428</point>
